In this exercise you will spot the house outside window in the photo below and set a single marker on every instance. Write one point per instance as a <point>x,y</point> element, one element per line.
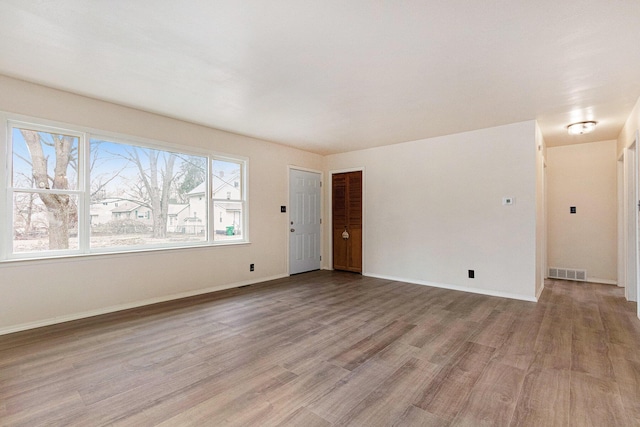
<point>228,199</point>
<point>73,191</point>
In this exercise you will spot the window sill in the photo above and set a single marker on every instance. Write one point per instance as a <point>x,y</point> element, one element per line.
<point>116,253</point>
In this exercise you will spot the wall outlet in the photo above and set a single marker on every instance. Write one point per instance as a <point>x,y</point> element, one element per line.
<point>251,267</point>
<point>508,201</point>
<point>472,274</point>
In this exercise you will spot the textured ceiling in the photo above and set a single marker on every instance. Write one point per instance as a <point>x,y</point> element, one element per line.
<point>334,76</point>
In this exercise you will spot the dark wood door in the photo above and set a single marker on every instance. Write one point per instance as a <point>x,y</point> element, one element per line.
<point>347,221</point>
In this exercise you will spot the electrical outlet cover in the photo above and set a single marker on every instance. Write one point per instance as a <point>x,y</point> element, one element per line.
<point>508,201</point>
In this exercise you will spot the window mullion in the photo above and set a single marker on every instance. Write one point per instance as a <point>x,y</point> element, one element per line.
<point>210,201</point>
<point>84,201</point>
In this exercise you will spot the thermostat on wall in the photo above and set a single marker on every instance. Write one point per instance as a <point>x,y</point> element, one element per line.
<point>508,200</point>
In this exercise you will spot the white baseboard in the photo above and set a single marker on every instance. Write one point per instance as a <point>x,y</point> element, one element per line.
<point>127,306</point>
<point>455,287</point>
<point>604,281</point>
<point>540,291</point>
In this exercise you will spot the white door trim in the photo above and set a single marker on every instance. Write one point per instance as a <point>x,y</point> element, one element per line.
<point>621,280</point>
<point>631,221</point>
<point>637,205</point>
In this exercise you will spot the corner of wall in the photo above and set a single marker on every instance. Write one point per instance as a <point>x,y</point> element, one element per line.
<point>541,212</point>
<point>627,134</point>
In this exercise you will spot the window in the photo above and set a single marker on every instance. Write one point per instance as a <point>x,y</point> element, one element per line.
<point>150,182</point>
<point>228,199</point>
<point>44,189</point>
<point>75,192</point>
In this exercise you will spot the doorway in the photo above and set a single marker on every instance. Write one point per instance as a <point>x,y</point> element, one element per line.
<point>346,191</point>
<point>304,221</point>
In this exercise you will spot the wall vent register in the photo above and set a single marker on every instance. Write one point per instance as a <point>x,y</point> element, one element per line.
<point>568,274</point>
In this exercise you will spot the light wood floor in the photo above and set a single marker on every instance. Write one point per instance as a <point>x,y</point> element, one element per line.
<point>328,348</point>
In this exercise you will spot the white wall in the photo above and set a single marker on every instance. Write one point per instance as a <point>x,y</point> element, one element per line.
<point>584,176</point>
<point>627,135</point>
<point>433,210</point>
<point>40,292</point>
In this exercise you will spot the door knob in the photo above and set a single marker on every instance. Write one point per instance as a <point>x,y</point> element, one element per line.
<point>293,229</point>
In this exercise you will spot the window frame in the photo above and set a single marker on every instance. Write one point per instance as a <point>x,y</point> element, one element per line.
<point>82,192</point>
<point>10,190</point>
<point>242,200</point>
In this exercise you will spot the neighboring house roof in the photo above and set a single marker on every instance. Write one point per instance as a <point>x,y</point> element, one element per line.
<point>126,206</point>
<point>233,206</point>
<point>219,184</point>
<point>175,209</point>
<point>103,206</point>
<point>198,190</point>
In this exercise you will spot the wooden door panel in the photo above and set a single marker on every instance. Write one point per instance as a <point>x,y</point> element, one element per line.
<point>355,249</point>
<point>354,204</point>
<point>339,201</point>
<point>340,257</point>
<point>347,215</point>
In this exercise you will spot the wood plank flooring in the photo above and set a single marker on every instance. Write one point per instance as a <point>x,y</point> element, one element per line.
<point>334,349</point>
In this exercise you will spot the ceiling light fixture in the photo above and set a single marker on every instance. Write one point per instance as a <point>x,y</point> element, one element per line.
<point>581,128</point>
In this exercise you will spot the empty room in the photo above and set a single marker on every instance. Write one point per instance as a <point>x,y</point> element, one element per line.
<point>290,213</point>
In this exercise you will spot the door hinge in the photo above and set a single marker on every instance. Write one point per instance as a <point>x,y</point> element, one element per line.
<point>638,208</point>
<point>639,205</point>
<point>320,183</point>
<point>320,257</point>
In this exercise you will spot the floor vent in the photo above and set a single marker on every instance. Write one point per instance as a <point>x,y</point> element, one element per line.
<point>567,274</point>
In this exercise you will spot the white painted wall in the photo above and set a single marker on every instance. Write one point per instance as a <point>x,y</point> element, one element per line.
<point>40,292</point>
<point>628,133</point>
<point>584,176</point>
<point>433,210</point>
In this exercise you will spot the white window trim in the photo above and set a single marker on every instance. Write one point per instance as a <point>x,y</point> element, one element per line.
<point>85,134</point>
<point>244,198</point>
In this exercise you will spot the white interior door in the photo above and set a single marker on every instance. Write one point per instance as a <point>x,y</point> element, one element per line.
<point>304,221</point>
